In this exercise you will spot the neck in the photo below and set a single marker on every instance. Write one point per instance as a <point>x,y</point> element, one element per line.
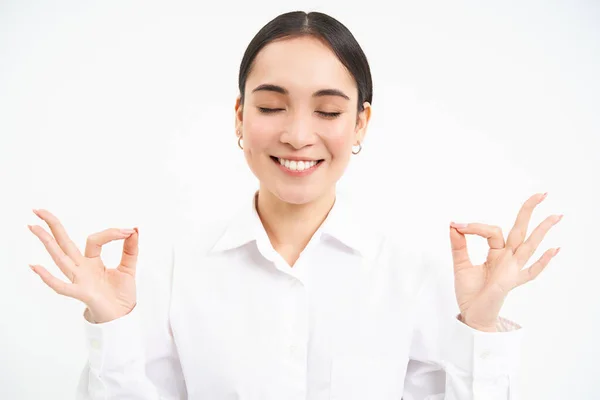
<point>289,225</point>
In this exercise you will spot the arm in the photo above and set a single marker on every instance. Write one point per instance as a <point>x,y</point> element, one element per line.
<point>135,357</point>
<point>479,359</point>
<point>452,361</point>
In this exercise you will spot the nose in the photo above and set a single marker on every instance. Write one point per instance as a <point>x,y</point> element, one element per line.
<point>299,132</point>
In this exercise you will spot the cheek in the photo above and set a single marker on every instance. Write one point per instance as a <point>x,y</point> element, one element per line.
<point>259,132</point>
<point>339,139</point>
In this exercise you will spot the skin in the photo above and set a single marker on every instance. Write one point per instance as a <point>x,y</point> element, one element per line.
<point>292,208</point>
<point>482,289</point>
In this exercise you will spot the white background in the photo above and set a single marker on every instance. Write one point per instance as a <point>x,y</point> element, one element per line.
<point>109,108</point>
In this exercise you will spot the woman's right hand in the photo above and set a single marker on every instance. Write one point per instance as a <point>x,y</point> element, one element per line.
<point>108,293</point>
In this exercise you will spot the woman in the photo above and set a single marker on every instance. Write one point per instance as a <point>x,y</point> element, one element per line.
<point>293,298</point>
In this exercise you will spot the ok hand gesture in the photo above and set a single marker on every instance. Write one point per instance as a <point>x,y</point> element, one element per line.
<point>481,289</point>
<point>108,293</point>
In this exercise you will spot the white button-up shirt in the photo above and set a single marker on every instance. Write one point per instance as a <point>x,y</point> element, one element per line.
<point>358,316</point>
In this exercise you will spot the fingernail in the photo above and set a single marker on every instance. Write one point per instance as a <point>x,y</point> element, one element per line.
<point>127,231</point>
<point>36,212</point>
<point>136,230</point>
<point>29,226</point>
<point>32,267</point>
<point>458,225</point>
<point>556,251</point>
<point>559,217</point>
<point>544,197</point>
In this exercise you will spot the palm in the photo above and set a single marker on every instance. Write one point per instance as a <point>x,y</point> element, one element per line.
<point>471,280</point>
<point>468,283</point>
<point>106,283</point>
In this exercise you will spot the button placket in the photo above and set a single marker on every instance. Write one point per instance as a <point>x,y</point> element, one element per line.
<point>296,335</point>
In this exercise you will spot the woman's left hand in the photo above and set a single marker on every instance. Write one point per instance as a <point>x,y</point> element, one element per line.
<point>481,289</point>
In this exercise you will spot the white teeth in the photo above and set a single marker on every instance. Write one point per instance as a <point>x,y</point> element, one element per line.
<point>296,165</point>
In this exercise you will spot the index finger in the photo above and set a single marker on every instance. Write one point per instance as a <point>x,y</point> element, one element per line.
<point>493,234</point>
<point>60,234</point>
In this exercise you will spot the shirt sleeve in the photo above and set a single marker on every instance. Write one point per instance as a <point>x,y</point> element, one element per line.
<point>135,356</point>
<point>452,361</point>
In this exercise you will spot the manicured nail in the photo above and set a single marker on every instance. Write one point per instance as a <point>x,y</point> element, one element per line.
<point>556,251</point>
<point>127,231</point>
<point>32,268</point>
<point>458,225</point>
<point>544,197</point>
<point>559,217</point>
<point>36,212</point>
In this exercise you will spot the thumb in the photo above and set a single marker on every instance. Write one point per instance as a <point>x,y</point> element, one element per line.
<point>458,243</point>
<point>130,254</point>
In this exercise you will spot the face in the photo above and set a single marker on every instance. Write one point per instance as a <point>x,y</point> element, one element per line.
<point>299,119</point>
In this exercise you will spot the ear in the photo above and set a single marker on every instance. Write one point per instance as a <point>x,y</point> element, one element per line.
<point>362,122</point>
<point>239,115</point>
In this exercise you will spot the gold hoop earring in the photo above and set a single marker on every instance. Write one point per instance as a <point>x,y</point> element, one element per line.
<point>240,143</point>
<point>359,149</point>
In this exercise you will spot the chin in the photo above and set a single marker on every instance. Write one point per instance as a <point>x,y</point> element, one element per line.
<point>297,195</point>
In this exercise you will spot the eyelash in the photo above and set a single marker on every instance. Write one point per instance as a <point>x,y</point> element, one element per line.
<point>322,113</point>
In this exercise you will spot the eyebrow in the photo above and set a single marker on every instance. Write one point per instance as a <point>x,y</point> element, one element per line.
<point>267,87</point>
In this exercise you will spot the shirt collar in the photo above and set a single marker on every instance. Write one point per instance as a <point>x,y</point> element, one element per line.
<point>244,227</point>
<point>341,224</point>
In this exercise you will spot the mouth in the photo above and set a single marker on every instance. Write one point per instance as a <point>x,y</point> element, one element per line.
<point>297,166</point>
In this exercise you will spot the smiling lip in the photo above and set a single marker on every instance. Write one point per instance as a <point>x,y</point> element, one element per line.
<point>292,158</point>
<point>297,173</point>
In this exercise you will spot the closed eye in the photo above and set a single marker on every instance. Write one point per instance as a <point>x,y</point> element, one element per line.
<point>329,114</point>
<point>265,110</point>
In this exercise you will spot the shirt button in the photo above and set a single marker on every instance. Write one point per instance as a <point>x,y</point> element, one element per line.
<point>95,344</point>
<point>293,349</point>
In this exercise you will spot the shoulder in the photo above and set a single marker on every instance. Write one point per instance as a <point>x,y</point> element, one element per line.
<point>413,244</point>
<point>177,232</point>
<point>197,231</point>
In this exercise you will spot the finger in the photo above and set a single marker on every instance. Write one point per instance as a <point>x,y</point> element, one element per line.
<point>492,233</point>
<point>536,268</point>
<point>526,250</point>
<point>460,253</point>
<point>517,234</point>
<point>130,254</point>
<point>59,286</point>
<point>94,243</point>
<point>62,261</point>
<point>60,234</point>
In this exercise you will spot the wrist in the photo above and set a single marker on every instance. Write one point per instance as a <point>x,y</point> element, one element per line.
<point>478,326</point>
<point>88,316</point>
<point>100,314</point>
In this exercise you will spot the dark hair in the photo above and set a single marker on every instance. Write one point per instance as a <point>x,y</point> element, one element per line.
<point>323,27</point>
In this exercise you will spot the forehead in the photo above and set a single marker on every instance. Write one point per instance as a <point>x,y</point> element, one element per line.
<point>300,64</point>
